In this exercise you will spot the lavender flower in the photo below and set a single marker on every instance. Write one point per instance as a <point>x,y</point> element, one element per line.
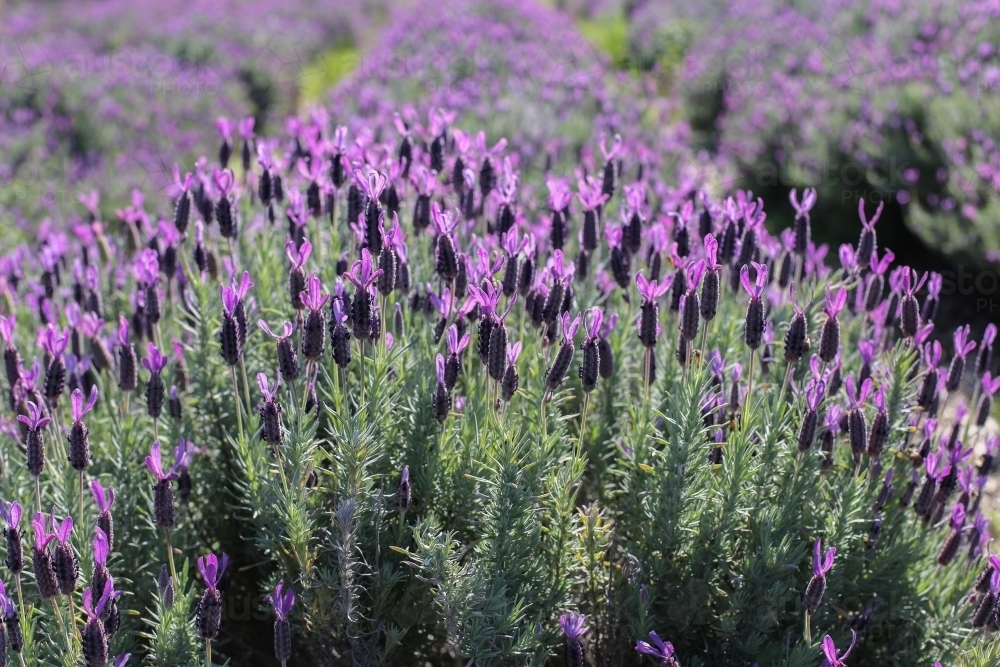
<point>659,649</point>
<point>104,499</point>
<point>557,371</point>
<point>868,243</point>
<point>229,336</point>
<point>590,367</point>
<point>984,360</point>
<point>880,425</point>
<point>210,605</point>
<point>829,342</point>
<point>15,551</point>
<point>54,345</point>
<point>649,320</point>
<point>822,564</point>
<point>754,325</point>
<point>511,380</point>
<point>833,659</point>
<point>807,432</point>
<point>363,317</point>
<point>155,362</point>
<point>298,256</point>
<point>270,411</point>
<point>11,357</point>
<point>963,347</point>
<point>102,549</point>
<point>802,227</point>
<point>34,443</point>
<point>163,491</point>
<point>282,602</point>
<point>573,629</point>
<point>15,638</point>
<point>950,547</point>
<point>441,399</point>
<point>453,364</point>
<point>94,641</point>
<point>66,566</point>
<point>45,574</point>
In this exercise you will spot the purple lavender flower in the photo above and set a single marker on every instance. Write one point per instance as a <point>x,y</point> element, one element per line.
<point>210,606</point>
<point>649,322</point>
<point>65,564</point>
<point>963,346</point>
<point>288,362</point>
<point>45,575</point>
<point>11,357</point>
<point>754,325</point>
<point>363,316</point>
<point>163,491</point>
<point>154,362</point>
<point>822,564</point>
<point>270,411</point>
<point>511,380</point>
<point>453,364</point>
<point>104,499</point>
<point>659,649</point>
<point>984,360</point>
<point>802,229</point>
<point>590,366</point>
<point>829,648</point>
<point>34,443</point>
<point>950,547</point>
<point>909,310</point>
<point>868,243</point>
<point>298,255</point>
<point>573,629</point>
<point>557,371</point>
<point>829,344</point>
<point>94,642</point>
<point>282,602</point>
<point>54,344</point>
<point>15,551</point>
<point>441,398</point>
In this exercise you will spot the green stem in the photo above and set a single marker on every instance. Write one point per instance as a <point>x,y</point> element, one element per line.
<point>246,385</point>
<point>236,398</point>
<point>746,403</point>
<point>170,558</point>
<point>208,652</point>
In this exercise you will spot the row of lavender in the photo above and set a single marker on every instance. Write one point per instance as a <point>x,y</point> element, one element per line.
<point>475,253</point>
<point>887,98</point>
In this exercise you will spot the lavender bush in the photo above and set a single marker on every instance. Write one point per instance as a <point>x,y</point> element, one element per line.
<point>397,394</point>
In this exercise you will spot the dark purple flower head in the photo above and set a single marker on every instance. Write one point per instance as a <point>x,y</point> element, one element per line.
<point>269,393</point>
<point>808,201</point>
<point>455,345</point>
<point>52,341</point>
<point>836,302</point>
<point>363,273</point>
<point>155,361</point>
<point>936,466</point>
<point>869,224</point>
<point>11,513</point>
<point>445,222</point>
<point>147,267</point>
<point>313,296</point>
<point>593,319</point>
<point>34,419</point>
<point>569,327</point>
<point>104,499</point>
<point>822,563</point>
<point>572,626</point>
<point>829,649</point>
<point>658,649</point>
<point>42,536</point>
<point>650,290</point>
<point>755,289</point>
<point>229,299</point>
<point>880,266</point>
<point>282,600</point>
<point>962,343</point>
<point>211,569</point>
<point>286,330</point>
<point>101,546</point>
<point>298,255</point>
<point>154,462</point>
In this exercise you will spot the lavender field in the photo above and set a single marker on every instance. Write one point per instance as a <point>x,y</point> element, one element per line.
<point>476,334</point>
